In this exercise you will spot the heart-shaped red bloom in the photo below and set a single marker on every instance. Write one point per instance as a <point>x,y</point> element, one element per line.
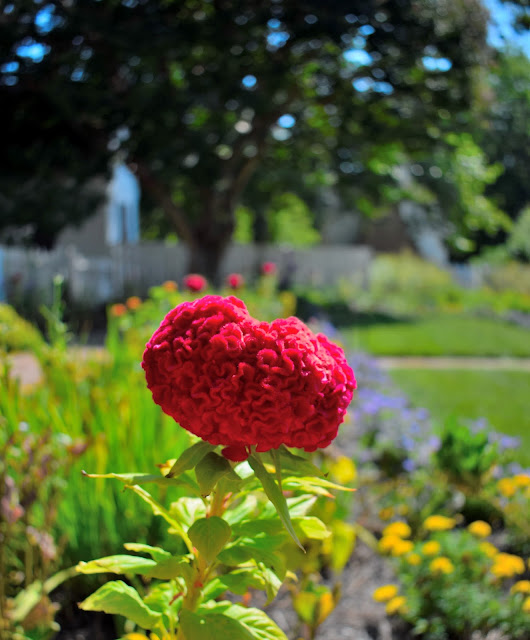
<point>238,382</point>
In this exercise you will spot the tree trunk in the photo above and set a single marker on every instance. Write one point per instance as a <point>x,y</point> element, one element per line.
<point>206,257</point>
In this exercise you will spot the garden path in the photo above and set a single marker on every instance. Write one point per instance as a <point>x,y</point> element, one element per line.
<point>454,362</point>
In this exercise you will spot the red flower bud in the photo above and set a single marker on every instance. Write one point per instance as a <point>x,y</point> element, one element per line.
<point>195,282</point>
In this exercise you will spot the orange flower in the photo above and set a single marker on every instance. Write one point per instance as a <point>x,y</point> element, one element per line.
<point>118,310</point>
<point>170,285</point>
<point>133,303</point>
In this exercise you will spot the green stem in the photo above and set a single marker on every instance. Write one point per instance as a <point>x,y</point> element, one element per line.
<point>3,535</point>
<point>203,569</point>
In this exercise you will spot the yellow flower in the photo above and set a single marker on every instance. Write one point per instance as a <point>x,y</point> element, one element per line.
<point>480,529</point>
<point>523,586</point>
<point>401,547</point>
<point>441,565</point>
<point>396,605</point>
<point>413,559</point>
<point>507,487</point>
<point>399,529</point>
<point>488,549</point>
<point>343,470</point>
<point>386,513</point>
<point>439,523</point>
<point>385,593</point>
<point>431,548</point>
<point>521,480</point>
<point>387,543</point>
<point>526,605</point>
<point>507,565</point>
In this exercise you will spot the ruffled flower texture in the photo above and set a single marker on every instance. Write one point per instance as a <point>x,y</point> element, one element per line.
<point>234,381</point>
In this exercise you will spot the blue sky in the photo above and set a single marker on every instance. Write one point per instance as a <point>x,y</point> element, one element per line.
<point>501,32</point>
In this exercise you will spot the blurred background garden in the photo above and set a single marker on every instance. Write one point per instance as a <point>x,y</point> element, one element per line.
<point>362,165</point>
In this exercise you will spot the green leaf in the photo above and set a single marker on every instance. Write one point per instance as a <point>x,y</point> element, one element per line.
<point>210,470</point>
<point>298,465</point>
<point>146,478</point>
<point>262,627</point>
<point>210,535</point>
<point>213,626</point>
<point>156,553</point>
<point>344,538</point>
<point>241,511</point>
<point>240,580</point>
<point>118,564</point>
<point>274,494</point>
<point>118,598</point>
<point>251,528</point>
<point>186,510</point>
<point>271,581</point>
<point>190,458</point>
<point>299,506</point>
<point>310,482</point>
<point>312,528</point>
<point>247,551</point>
<point>171,568</point>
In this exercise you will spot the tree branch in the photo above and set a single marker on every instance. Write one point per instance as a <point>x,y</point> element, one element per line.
<point>162,195</point>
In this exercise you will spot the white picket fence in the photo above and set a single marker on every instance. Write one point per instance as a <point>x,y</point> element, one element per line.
<point>127,270</point>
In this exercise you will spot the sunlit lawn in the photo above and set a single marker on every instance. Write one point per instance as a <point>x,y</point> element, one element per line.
<point>440,335</point>
<point>503,397</point>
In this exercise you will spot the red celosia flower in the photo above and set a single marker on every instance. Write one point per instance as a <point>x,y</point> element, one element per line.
<point>235,381</point>
<point>235,281</point>
<point>194,282</point>
<point>268,268</point>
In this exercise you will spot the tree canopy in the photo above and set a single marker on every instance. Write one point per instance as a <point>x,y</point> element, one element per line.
<point>197,94</point>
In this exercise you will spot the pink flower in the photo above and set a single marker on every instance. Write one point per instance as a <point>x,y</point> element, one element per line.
<point>238,382</point>
<point>235,281</point>
<point>268,268</point>
<point>195,282</point>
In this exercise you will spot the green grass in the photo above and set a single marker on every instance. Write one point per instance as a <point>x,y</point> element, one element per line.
<point>440,335</point>
<point>501,397</point>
